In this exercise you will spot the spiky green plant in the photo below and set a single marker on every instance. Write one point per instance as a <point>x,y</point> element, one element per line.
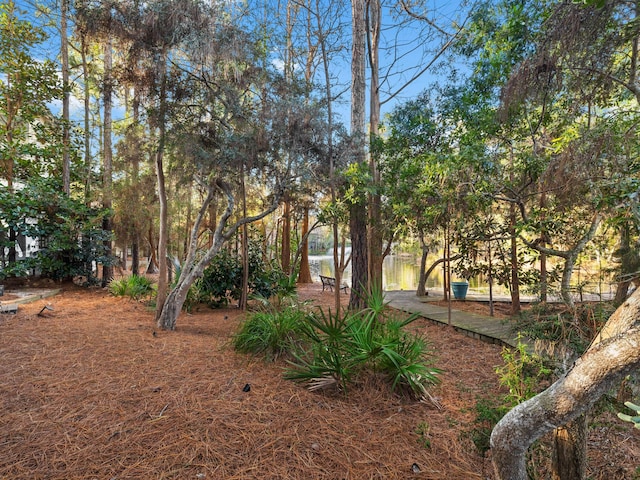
<point>341,346</point>
<point>133,286</point>
<point>271,332</point>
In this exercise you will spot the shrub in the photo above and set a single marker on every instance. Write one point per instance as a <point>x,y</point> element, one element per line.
<point>134,286</point>
<point>222,279</point>
<point>272,333</point>
<point>70,233</point>
<point>556,324</point>
<point>523,373</point>
<point>341,346</point>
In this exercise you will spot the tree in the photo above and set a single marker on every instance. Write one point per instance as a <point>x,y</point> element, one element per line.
<point>613,355</point>
<point>583,70</point>
<point>27,127</point>
<point>358,210</point>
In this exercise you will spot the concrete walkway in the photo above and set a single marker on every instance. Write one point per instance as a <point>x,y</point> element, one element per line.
<point>482,327</point>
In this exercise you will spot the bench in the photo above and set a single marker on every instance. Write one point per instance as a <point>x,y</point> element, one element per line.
<point>330,282</point>
<point>9,308</point>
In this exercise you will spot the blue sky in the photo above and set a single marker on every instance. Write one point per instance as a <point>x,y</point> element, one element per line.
<point>406,48</point>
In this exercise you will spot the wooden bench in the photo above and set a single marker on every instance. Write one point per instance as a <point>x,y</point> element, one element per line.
<point>330,282</point>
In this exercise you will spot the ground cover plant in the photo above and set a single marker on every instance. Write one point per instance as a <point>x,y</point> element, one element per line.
<point>93,390</point>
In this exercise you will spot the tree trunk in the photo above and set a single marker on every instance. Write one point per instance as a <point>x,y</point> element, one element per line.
<point>543,256</point>
<point>87,118</point>
<point>193,267</point>
<point>107,160</point>
<point>152,266</point>
<point>614,354</point>
<point>375,216</point>
<point>570,450</point>
<point>358,211</point>
<point>163,237</point>
<point>304,275</point>
<point>629,264</point>
<point>515,280</point>
<point>565,282</point>
<point>66,118</point>
<point>422,280</point>
<point>244,295</point>
<point>135,254</point>
<point>285,254</point>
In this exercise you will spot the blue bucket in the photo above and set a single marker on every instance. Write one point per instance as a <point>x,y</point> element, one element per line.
<point>459,290</point>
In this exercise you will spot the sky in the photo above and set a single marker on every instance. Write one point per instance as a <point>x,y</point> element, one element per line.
<point>407,47</point>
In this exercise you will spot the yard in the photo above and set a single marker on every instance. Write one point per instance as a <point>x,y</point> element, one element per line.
<point>92,390</point>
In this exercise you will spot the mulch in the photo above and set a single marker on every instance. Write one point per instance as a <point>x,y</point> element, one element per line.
<point>93,390</point>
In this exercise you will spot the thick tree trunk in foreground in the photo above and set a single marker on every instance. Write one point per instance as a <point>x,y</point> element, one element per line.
<point>613,355</point>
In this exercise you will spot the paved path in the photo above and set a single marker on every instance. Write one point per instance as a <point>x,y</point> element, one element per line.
<point>482,327</point>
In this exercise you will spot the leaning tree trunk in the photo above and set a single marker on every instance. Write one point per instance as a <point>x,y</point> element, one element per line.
<point>422,280</point>
<point>194,267</point>
<point>614,354</point>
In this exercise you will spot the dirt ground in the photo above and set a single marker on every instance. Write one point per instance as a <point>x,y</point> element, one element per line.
<point>92,390</point>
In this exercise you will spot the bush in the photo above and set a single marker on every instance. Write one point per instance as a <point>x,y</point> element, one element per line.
<point>524,374</point>
<point>555,324</point>
<point>272,333</point>
<point>134,286</point>
<point>222,279</point>
<point>70,233</point>
<point>339,347</point>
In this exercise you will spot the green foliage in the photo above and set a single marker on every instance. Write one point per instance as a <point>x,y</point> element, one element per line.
<point>133,286</point>
<point>488,412</point>
<point>555,324</point>
<point>27,86</point>
<point>272,333</point>
<point>523,373</point>
<point>70,233</point>
<point>222,279</point>
<point>340,346</point>
<point>635,419</point>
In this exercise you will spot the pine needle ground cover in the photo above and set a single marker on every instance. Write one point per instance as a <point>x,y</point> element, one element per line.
<point>88,391</point>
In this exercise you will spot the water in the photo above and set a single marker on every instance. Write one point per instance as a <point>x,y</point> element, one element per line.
<point>399,272</point>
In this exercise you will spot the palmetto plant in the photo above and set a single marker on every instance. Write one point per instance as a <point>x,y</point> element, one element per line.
<point>342,346</point>
<point>133,286</point>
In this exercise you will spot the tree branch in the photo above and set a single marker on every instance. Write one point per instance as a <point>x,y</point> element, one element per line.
<point>614,354</point>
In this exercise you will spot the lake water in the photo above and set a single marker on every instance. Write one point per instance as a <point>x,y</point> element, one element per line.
<point>399,272</point>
